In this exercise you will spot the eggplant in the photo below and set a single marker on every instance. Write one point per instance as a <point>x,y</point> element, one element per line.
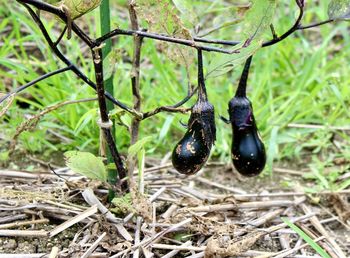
<point>247,150</point>
<point>192,151</point>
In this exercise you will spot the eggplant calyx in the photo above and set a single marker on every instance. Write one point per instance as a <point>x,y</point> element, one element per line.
<point>183,124</point>
<point>241,113</point>
<point>225,120</point>
<point>203,113</point>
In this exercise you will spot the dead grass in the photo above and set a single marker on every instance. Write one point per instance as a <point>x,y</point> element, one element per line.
<point>196,216</point>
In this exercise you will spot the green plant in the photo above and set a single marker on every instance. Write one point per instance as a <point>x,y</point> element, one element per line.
<point>307,239</point>
<point>86,164</point>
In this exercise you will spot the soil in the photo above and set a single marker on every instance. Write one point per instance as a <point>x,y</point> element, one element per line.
<point>72,242</point>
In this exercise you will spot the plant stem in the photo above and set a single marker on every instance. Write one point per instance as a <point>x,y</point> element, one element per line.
<point>108,83</point>
<point>242,86</point>
<point>135,85</point>
<point>135,73</point>
<point>202,91</point>
<point>98,65</point>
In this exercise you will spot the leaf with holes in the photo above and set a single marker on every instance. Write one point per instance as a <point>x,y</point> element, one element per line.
<point>188,11</point>
<point>226,63</point>
<point>162,17</point>
<point>110,64</point>
<point>78,8</point>
<point>86,164</point>
<point>256,23</point>
<point>339,9</point>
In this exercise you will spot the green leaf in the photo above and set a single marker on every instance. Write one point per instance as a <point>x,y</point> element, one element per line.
<point>78,8</point>
<point>121,117</point>
<point>187,10</point>
<point>85,119</point>
<point>307,239</point>
<point>138,146</point>
<point>165,128</point>
<point>161,17</point>
<point>4,155</point>
<point>226,63</point>
<point>141,167</point>
<point>86,164</point>
<point>258,19</point>
<point>339,9</point>
<point>109,64</point>
<point>256,23</point>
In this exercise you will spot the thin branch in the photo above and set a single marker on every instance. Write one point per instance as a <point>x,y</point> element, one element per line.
<point>216,41</point>
<point>174,108</point>
<point>33,121</point>
<point>190,93</point>
<point>186,42</point>
<point>74,68</point>
<point>315,24</point>
<point>166,109</point>
<point>273,31</point>
<point>291,30</point>
<point>43,77</point>
<point>61,35</point>
<point>192,43</point>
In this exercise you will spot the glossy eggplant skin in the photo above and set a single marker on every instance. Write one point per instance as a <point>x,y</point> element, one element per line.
<point>248,150</point>
<point>192,151</point>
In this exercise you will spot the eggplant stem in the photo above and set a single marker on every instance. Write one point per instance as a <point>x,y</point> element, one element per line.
<point>202,91</point>
<point>242,86</point>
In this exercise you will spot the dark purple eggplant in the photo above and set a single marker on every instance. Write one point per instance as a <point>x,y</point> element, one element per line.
<point>192,151</point>
<point>248,150</point>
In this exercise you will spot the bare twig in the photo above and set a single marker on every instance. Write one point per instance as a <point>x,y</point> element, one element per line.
<point>43,77</point>
<point>33,121</point>
<point>8,104</point>
<point>93,246</point>
<point>135,71</point>
<point>316,24</point>
<point>87,213</point>
<point>167,109</point>
<point>91,199</point>
<point>290,31</point>
<point>23,223</point>
<point>321,127</point>
<point>23,233</point>
<point>246,205</point>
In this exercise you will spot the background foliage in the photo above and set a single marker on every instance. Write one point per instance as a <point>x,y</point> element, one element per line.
<point>303,80</point>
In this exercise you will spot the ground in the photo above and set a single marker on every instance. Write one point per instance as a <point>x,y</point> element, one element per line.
<point>213,214</point>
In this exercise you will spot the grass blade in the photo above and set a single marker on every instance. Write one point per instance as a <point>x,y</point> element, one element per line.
<point>306,238</point>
